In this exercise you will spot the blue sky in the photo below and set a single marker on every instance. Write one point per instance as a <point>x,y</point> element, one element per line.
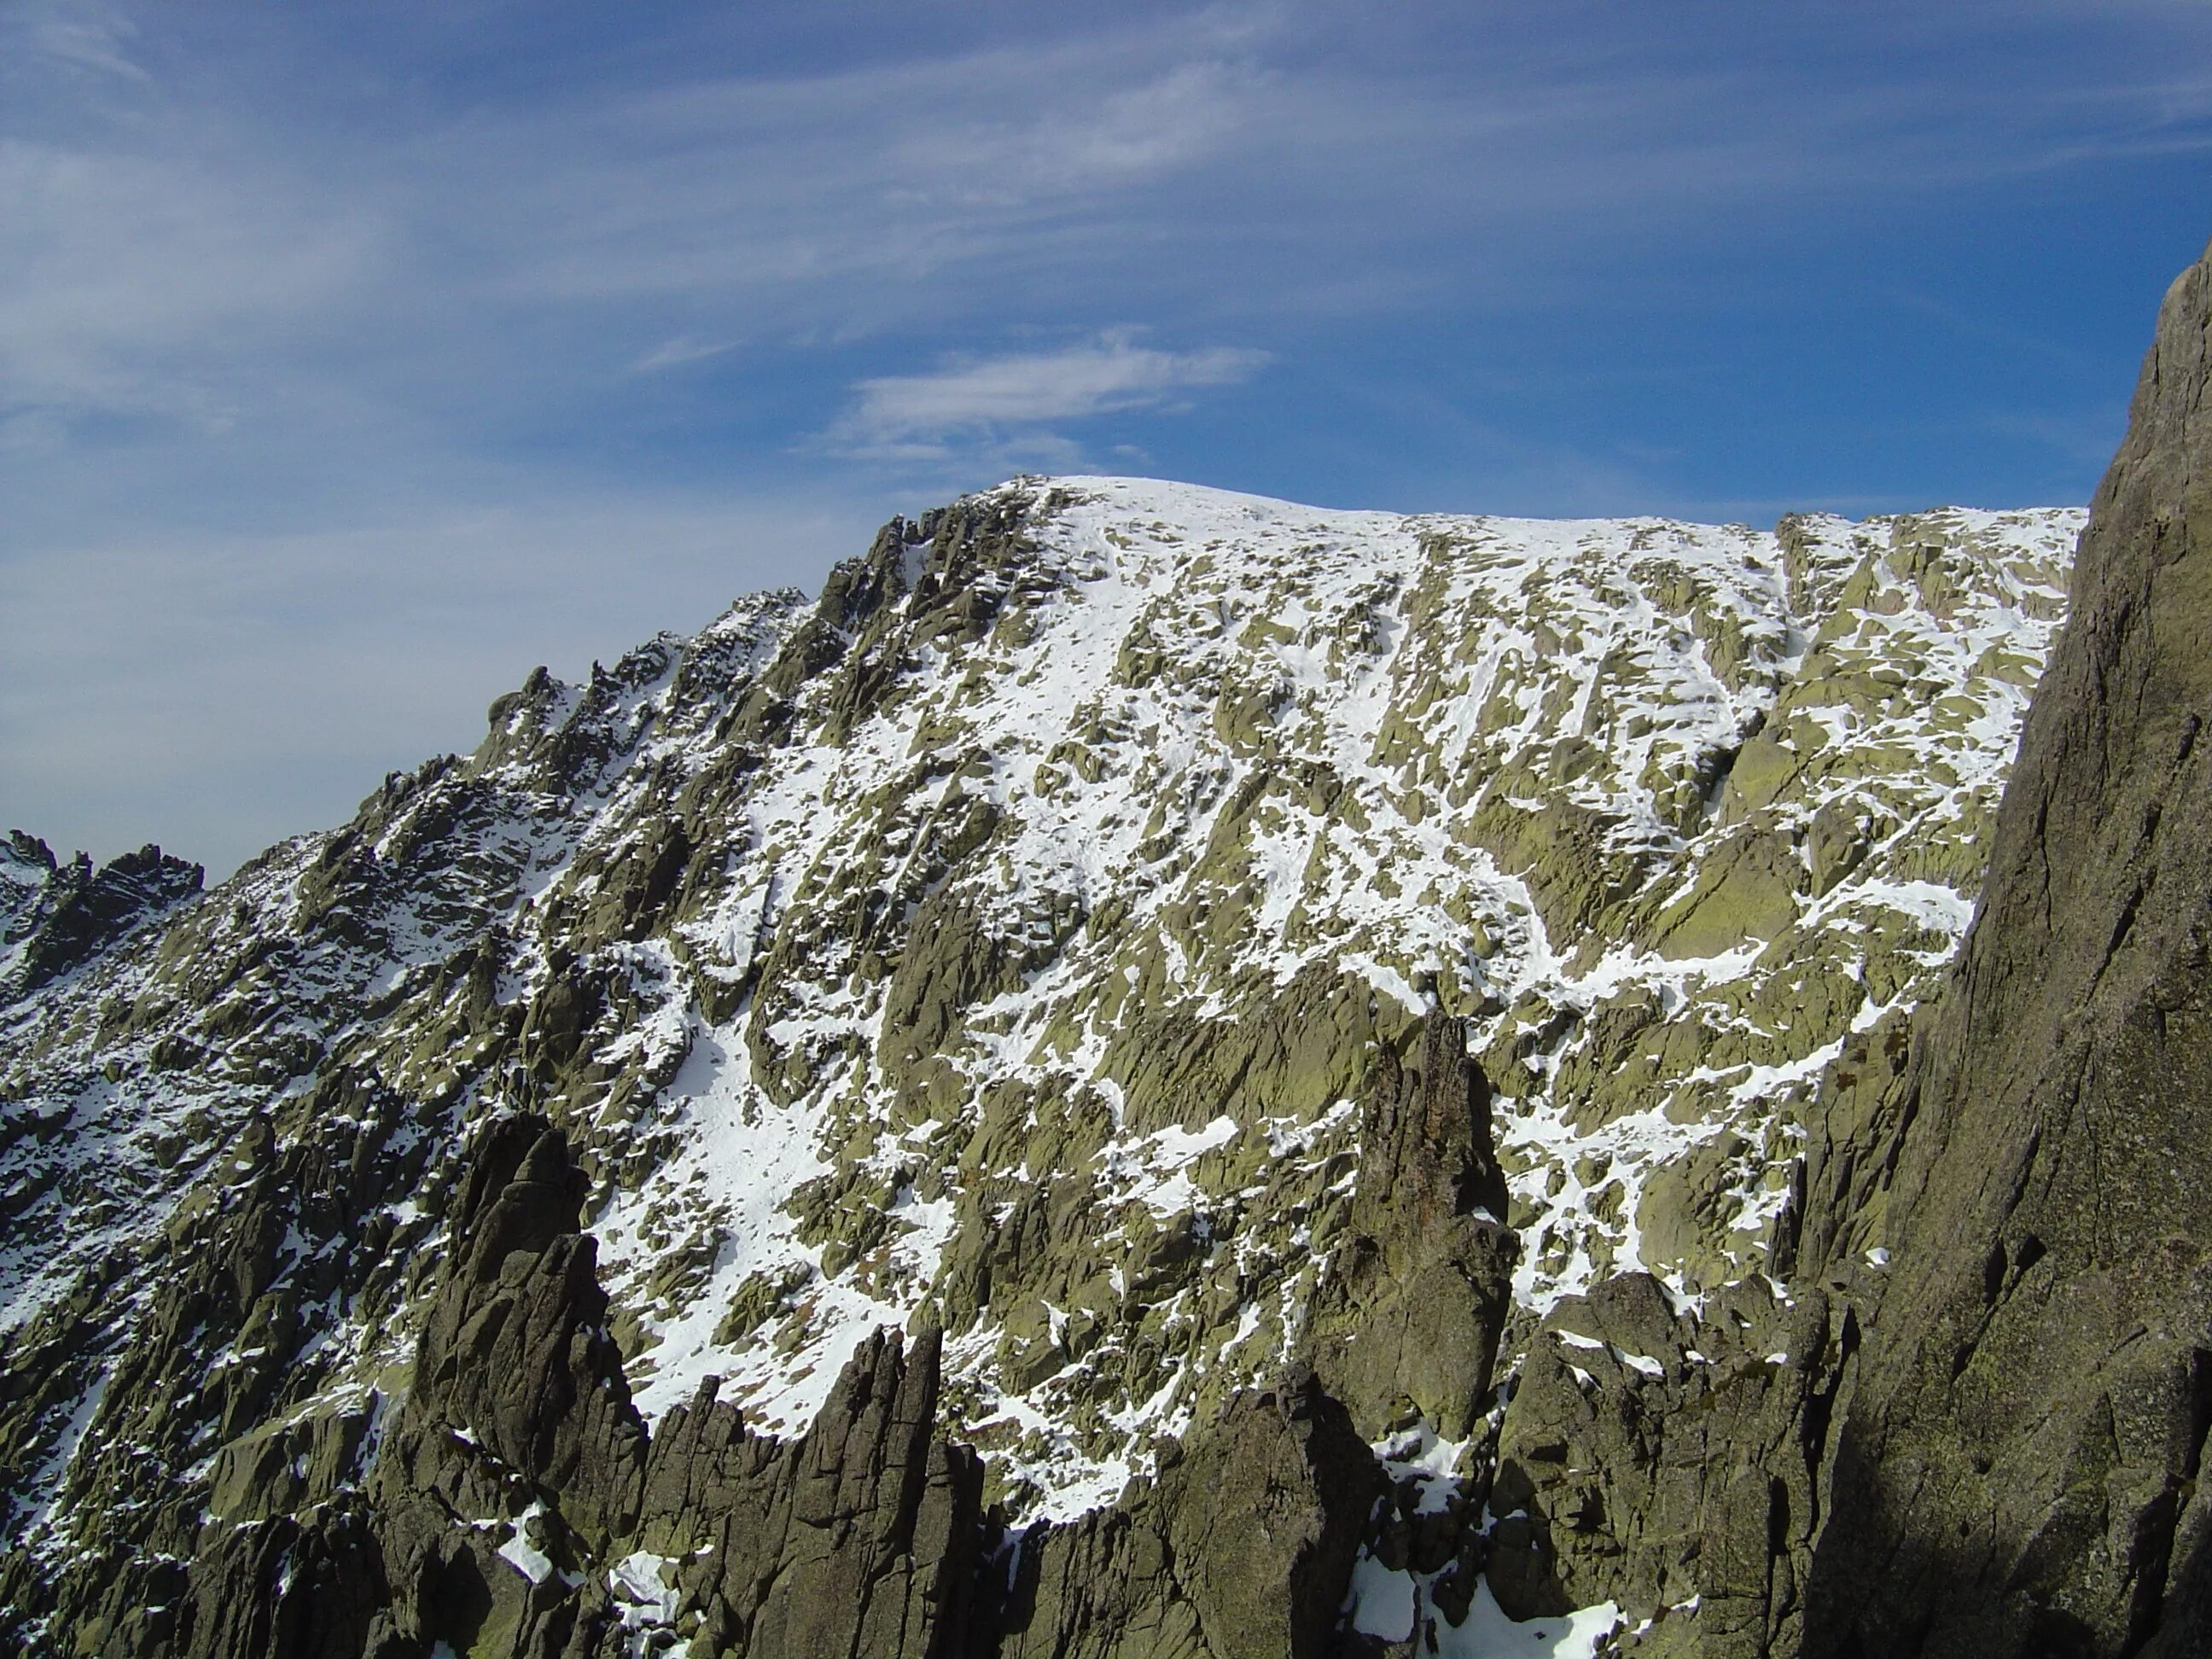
<point>352,359</point>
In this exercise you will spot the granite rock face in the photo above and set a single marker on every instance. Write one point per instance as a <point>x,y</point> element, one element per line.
<point>55,916</point>
<point>1663,1460</point>
<point>2020,1469</point>
<point>866,1538</point>
<point>518,1421</point>
<point>1241,1549</point>
<point>517,1505</point>
<point>1407,1327</point>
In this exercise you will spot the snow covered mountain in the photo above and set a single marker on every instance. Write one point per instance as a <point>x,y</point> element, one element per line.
<point>1029,946</point>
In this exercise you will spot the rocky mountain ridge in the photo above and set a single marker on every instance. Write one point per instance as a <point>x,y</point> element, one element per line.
<point>1386,1026</point>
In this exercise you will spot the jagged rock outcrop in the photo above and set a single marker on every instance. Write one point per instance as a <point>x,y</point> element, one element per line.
<point>1981,1425</point>
<point>54,917</point>
<point>1243,1548</point>
<point>1404,1327</point>
<point>517,1506</point>
<point>2019,1471</point>
<point>279,1589</point>
<point>517,1420</point>
<point>864,1538</point>
<point>1661,1460</point>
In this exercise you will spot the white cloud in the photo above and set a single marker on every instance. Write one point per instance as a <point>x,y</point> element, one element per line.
<point>683,349</point>
<point>1024,391</point>
<point>81,35</point>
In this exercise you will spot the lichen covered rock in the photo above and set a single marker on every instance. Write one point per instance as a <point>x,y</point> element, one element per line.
<point>1138,941</point>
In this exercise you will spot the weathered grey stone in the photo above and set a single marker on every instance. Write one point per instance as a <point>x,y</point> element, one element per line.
<point>2015,1470</point>
<point>72,912</point>
<point>1242,1549</point>
<point>1409,1315</point>
<point>281,1588</point>
<point>863,1538</point>
<point>1648,1458</point>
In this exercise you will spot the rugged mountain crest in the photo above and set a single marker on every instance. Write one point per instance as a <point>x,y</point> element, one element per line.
<point>1249,993</point>
<point>54,917</point>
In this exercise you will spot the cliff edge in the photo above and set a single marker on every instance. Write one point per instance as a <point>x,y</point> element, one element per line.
<point>2019,1470</point>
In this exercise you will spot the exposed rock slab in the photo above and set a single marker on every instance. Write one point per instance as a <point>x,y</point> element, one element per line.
<point>2019,1471</point>
<point>1242,1549</point>
<point>1663,1460</point>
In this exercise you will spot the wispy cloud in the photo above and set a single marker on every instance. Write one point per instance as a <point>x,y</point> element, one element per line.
<point>1206,171</point>
<point>1020,393</point>
<point>80,35</point>
<point>135,283</point>
<point>682,349</point>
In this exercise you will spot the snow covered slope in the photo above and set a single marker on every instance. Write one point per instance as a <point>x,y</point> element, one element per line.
<point>1004,941</point>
